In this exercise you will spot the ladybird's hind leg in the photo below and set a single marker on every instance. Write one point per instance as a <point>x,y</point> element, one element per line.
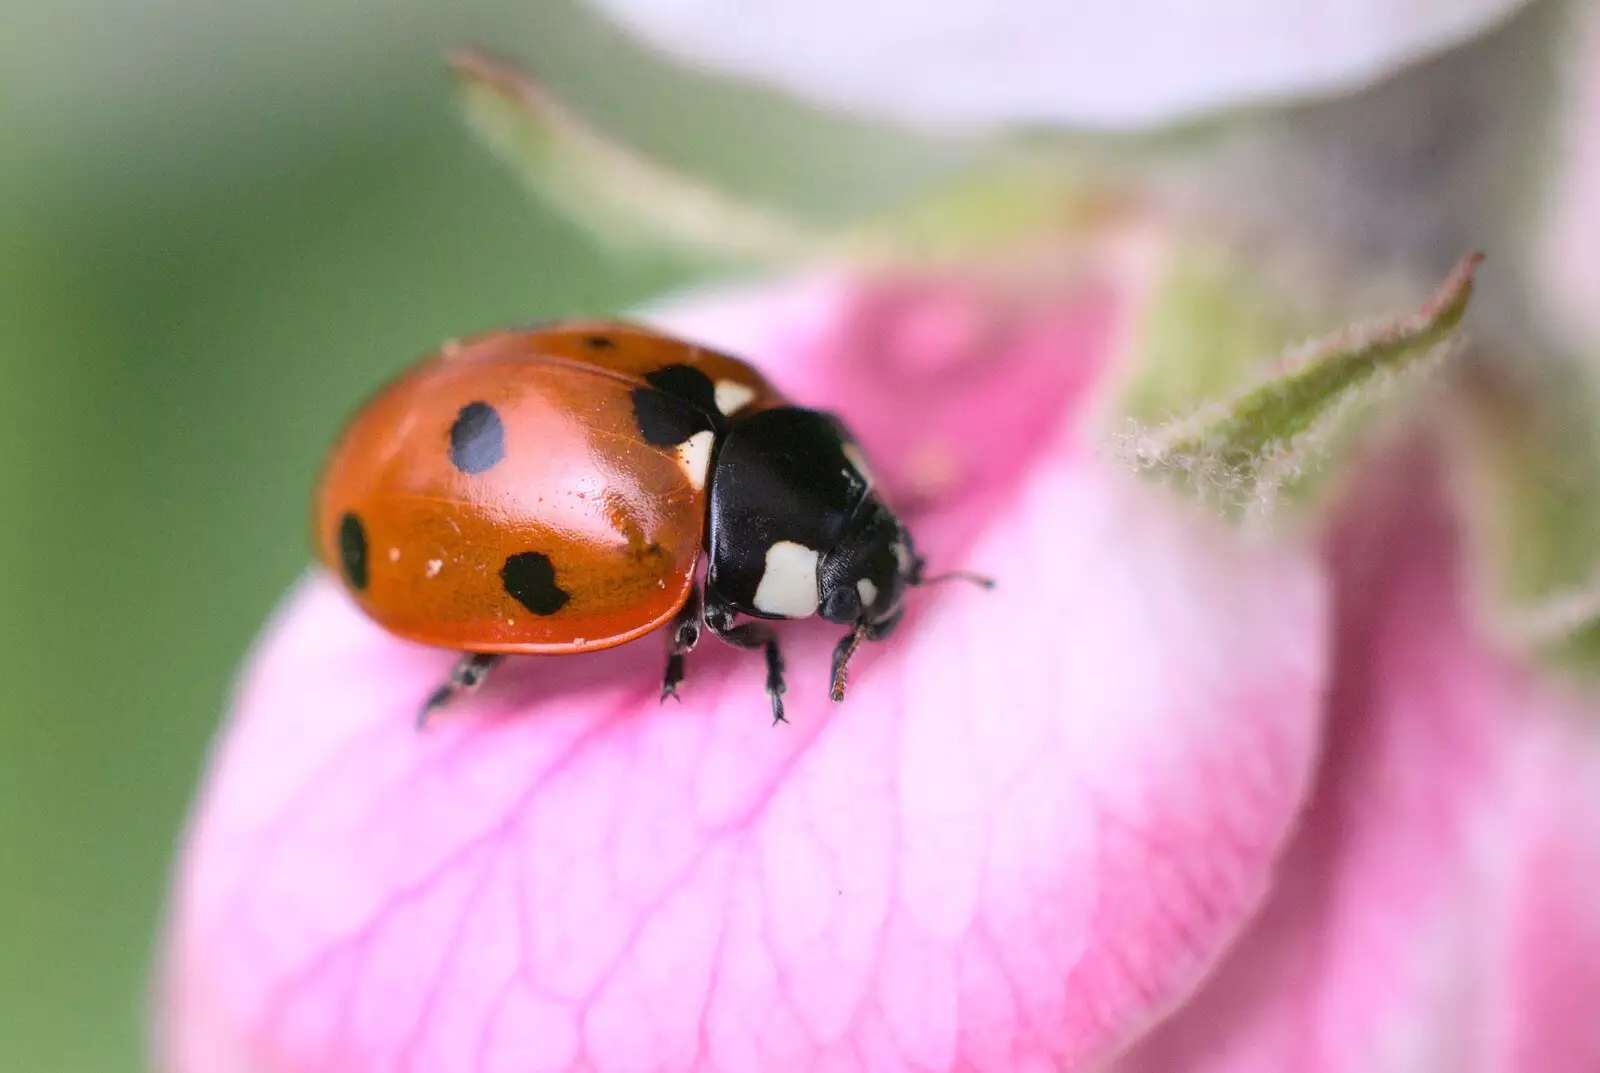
<point>465,677</point>
<point>684,636</point>
<point>719,620</point>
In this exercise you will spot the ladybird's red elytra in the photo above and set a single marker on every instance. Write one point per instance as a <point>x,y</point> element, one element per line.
<point>552,490</point>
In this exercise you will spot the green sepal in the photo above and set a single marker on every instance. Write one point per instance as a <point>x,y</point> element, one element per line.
<point>1253,449</point>
<point>1010,197</point>
<point>619,195</point>
<point>1008,203</point>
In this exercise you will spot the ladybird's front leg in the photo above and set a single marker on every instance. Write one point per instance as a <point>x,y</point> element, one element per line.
<point>685,635</point>
<point>465,677</point>
<point>719,619</point>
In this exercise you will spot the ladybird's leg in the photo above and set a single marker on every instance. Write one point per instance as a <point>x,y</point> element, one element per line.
<point>685,635</point>
<point>864,631</point>
<point>760,635</point>
<point>467,675</point>
<point>719,620</point>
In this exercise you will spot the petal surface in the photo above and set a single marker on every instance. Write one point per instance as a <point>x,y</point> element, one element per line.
<point>1138,63</point>
<point>1440,907</point>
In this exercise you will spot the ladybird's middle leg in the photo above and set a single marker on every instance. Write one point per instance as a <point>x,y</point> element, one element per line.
<point>685,635</point>
<point>719,620</point>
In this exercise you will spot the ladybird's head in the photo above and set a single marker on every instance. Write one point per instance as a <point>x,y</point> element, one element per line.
<point>865,575</point>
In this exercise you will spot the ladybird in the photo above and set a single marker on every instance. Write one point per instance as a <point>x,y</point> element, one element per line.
<point>553,490</point>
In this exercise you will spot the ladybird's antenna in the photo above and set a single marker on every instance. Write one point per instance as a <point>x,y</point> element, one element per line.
<point>841,658</point>
<point>981,580</point>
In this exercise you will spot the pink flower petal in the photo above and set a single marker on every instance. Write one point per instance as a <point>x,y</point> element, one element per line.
<point>1132,64</point>
<point>1440,909</point>
<point>1038,818</point>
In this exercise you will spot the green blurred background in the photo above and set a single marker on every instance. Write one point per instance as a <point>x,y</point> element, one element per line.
<point>221,224</point>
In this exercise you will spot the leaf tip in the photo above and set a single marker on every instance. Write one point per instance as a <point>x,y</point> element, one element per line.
<point>477,65</point>
<point>479,72</point>
<point>1450,301</point>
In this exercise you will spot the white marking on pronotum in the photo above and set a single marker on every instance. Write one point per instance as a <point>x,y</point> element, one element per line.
<point>902,556</point>
<point>733,396</point>
<point>853,455</point>
<point>694,455</point>
<point>868,592</point>
<point>789,582</point>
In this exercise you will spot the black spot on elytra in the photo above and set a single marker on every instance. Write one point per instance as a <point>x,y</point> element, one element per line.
<point>530,580</point>
<point>477,438</point>
<point>600,342</point>
<point>665,421</point>
<point>680,401</point>
<point>353,551</point>
<point>687,383</point>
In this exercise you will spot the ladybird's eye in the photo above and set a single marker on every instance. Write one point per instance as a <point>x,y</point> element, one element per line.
<point>841,604</point>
